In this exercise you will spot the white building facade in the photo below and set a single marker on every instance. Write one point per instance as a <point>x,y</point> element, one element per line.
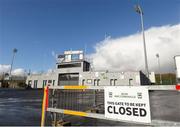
<point>73,69</point>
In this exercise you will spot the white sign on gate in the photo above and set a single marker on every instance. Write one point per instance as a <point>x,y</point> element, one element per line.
<point>127,103</point>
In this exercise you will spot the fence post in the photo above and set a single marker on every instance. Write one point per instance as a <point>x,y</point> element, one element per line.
<point>44,105</point>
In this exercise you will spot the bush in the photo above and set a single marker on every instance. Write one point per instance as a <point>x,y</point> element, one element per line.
<point>21,84</point>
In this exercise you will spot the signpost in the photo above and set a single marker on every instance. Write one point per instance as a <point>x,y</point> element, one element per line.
<point>127,103</point>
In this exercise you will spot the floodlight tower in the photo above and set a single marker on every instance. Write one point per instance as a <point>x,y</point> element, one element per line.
<point>160,77</point>
<point>138,9</point>
<point>14,52</point>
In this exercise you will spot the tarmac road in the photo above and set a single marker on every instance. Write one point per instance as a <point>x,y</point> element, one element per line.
<point>20,107</point>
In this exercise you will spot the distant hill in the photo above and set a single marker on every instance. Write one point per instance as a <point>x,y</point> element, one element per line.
<point>167,78</point>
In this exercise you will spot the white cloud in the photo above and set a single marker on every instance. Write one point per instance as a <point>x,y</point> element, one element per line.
<point>4,68</point>
<point>49,72</point>
<point>53,54</point>
<point>126,53</point>
<point>34,72</point>
<point>19,72</point>
<point>16,72</point>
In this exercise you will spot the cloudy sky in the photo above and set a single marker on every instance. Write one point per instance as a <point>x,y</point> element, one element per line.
<point>126,53</point>
<point>40,29</point>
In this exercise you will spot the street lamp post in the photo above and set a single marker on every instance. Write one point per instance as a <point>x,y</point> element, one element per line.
<point>160,78</point>
<point>139,11</point>
<point>14,52</point>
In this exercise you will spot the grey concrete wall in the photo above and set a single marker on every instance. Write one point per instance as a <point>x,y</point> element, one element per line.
<point>40,78</point>
<point>122,78</point>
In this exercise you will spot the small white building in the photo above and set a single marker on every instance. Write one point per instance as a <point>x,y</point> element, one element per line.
<point>177,64</point>
<point>73,69</point>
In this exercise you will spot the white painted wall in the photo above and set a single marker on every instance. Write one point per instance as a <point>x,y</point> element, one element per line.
<point>177,62</point>
<point>152,77</point>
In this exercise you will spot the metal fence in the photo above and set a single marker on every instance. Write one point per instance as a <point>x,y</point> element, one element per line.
<point>88,101</point>
<point>78,100</point>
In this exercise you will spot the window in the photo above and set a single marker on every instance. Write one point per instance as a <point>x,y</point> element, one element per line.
<point>35,83</point>
<point>83,82</point>
<point>75,57</point>
<point>49,81</point>
<point>130,83</point>
<point>113,82</point>
<point>86,66</point>
<point>53,82</point>
<point>69,65</point>
<point>67,57</point>
<point>44,83</point>
<point>96,82</point>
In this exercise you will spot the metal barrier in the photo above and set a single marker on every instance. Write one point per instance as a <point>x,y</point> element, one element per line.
<point>88,101</point>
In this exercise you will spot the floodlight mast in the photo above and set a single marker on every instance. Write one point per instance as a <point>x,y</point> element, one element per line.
<point>14,52</point>
<point>160,77</point>
<point>138,9</point>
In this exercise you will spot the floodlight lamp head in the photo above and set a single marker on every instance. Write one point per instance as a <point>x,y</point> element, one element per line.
<point>157,55</point>
<point>138,9</point>
<point>15,50</point>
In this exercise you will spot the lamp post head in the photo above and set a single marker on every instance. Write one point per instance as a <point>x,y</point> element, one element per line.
<point>157,55</point>
<point>138,9</point>
<point>15,50</point>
